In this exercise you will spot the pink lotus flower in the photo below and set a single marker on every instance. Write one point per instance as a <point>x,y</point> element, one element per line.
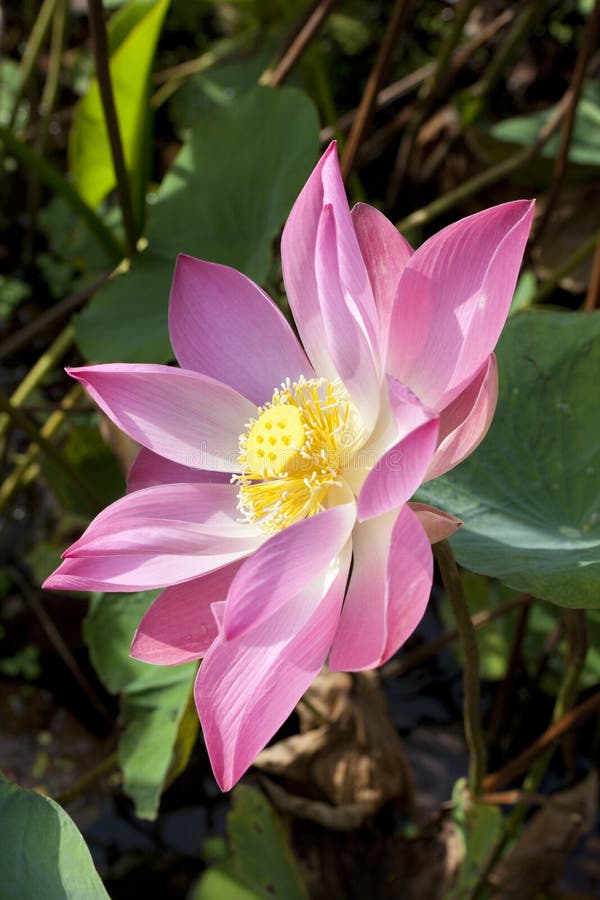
<point>266,466</point>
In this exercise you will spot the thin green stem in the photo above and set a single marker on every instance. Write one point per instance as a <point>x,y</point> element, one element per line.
<point>46,110</point>
<point>593,291</point>
<point>51,176</point>
<point>552,282</point>
<point>430,90</point>
<point>26,468</point>
<point>588,44</point>
<point>471,704</point>
<point>438,79</point>
<point>44,364</point>
<point>577,646</point>
<point>509,47</point>
<point>489,176</point>
<point>26,425</point>
<point>31,54</point>
<point>101,56</point>
<point>171,79</point>
<point>366,108</point>
<point>86,781</point>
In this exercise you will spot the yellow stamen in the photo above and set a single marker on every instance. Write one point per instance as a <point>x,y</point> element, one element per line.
<point>293,451</point>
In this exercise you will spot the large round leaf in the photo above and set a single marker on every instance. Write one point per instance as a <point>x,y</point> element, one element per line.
<point>224,199</point>
<point>42,854</point>
<point>530,495</point>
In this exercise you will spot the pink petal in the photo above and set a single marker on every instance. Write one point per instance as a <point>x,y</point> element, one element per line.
<point>156,537</point>
<point>411,440</point>
<point>136,572</point>
<point>246,688</point>
<point>224,326</point>
<point>453,299</point>
<point>298,246</point>
<point>465,422</point>
<point>385,253</point>
<point>181,415</point>
<point>388,591</point>
<point>180,625</point>
<point>284,565</point>
<point>149,469</point>
<point>437,524</point>
<point>348,344</point>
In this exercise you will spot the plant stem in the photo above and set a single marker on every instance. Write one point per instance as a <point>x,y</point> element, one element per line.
<point>560,163</point>
<point>59,185</point>
<point>50,317</point>
<point>46,109</point>
<point>496,780</point>
<point>509,165</point>
<point>31,596</point>
<point>31,54</point>
<point>171,79</point>
<point>25,424</point>
<point>471,704</point>
<point>101,56</point>
<point>298,44</point>
<point>410,82</point>
<point>398,667</point>
<point>80,787</point>
<point>430,90</point>
<point>569,264</point>
<point>593,293</point>
<point>369,98</point>
<point>522,26</point>
<point>26,468</point>
<point>45,363</point>
<point>564,719</point>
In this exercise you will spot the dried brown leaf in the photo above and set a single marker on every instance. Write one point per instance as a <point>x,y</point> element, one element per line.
<point>539,856</point>
<point>347,768</point>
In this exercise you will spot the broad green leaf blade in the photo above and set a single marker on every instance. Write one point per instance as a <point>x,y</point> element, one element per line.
<point>529,496</point>
<point>219,883</point>
<point>153,698</point>
<point>260,862</point>
<point>127,320</point>
<point>90,159</point>
<point>261,853</point>
<point>42,854</point>
<point>224,199</point>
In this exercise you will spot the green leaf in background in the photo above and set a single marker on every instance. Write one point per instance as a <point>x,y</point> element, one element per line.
<point>42,854</point>
<point>87,454</point>
<point>529,497</point>
<point>584,148</point>
<point>90,159</point>
<point>221,84</point>
<point>153,698</point>
<point>224,199</point>
<point>127,319</point>
<point>260,863</point>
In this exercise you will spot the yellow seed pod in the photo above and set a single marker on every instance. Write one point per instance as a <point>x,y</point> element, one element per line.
<point>273,441</point>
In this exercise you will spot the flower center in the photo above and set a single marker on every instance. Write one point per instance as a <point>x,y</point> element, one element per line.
<point>292,453</point>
